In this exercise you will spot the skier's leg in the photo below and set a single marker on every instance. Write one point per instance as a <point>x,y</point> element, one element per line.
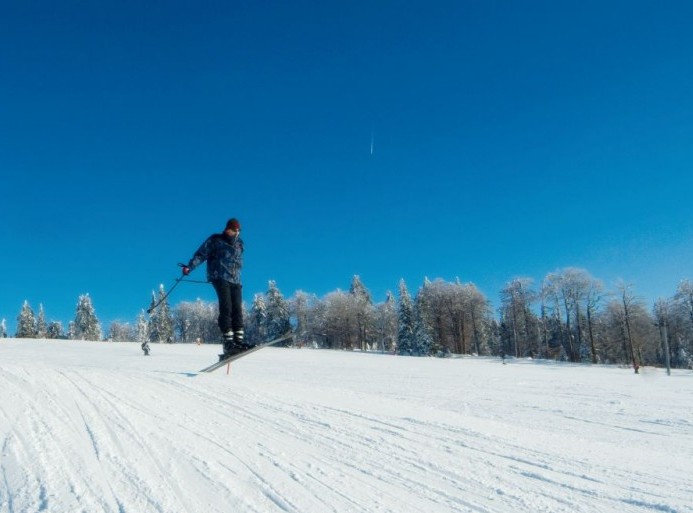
<point>223,291</point>
<point>224,296</point>
<point>237,313</point>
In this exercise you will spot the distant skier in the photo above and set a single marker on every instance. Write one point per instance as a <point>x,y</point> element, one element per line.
<point>145,348</point>
<point>224,255</point>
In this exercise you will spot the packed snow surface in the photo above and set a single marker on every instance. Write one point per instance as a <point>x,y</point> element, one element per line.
<point>99,427</point>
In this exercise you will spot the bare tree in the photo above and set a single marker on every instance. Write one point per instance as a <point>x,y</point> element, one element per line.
<point>521,325</point>
<point>575,292</point>
<point>684,297</point>
<point>637,327</point>
<point>119,332</point>
<point>480,313</point>
<point>340,320</point>
<point>593,299</point>
<point>196,321</point>
<point>300,307</point>
<point>661,313</point>
<point>386,324</point>
<point>628,300</point>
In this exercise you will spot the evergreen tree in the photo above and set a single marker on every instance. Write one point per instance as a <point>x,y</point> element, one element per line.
<point>422,342</point>
<point>41,327</point>
<point>359,290</point>
<point>684,299</point>
<point>141,328</point>
<point>683,333</point>
<point>433,309</point>
<point>161,321</point>
<point>405,335</point>
<point>86,325</point>
<point>3,329</point>
<point>54,330</point>
<point>277,321</point>
<point>255,323</point>
<point>363,311</point>
<point>26,322</point>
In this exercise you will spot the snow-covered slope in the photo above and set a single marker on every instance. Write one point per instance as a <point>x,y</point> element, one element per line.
<point>98,427</point>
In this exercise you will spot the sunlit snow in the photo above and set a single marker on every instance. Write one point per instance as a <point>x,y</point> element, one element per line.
<point>98,427</point>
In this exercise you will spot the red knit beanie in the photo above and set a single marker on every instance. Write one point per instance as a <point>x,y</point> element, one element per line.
<point>233,224</point>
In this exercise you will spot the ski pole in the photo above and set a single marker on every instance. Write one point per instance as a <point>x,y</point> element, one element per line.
<point>163,298</point>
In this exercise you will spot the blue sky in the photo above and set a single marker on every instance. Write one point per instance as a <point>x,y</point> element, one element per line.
<point>509,139</point>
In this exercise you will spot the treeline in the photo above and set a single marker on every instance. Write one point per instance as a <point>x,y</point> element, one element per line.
<point>85,326</point>
<point>568,316</point>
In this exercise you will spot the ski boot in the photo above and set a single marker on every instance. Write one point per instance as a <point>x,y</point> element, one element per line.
<point>233,344</point>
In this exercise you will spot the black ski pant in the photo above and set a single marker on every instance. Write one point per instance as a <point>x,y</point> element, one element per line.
<point>230,306</point>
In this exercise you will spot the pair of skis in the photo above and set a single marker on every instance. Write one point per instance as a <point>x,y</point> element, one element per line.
<point>230,359</point>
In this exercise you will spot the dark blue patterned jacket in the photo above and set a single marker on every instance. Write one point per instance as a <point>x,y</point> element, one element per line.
<point>224,256</point>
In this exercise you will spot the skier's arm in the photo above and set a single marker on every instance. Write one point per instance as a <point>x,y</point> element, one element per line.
<point>200,255</point>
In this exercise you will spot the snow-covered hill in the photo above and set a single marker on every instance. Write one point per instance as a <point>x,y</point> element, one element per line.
<point>98,427</point>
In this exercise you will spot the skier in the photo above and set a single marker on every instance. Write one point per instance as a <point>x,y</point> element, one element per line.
<point>145,348</point>
<point>223,253</point>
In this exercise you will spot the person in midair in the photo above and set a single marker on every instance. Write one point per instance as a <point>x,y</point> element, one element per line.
<point>223,253</point>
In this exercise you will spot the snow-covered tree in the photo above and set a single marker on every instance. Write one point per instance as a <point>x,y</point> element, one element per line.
<point>120,332</point>
<point>574,294</point>
<point>71,331</point>
<point>26,322</point>
<point>161,320</point>
<point>255,322</point>
<point>339,320</point>
<point>639,327</point>
<point>630,332</point>
<point>359,290</point>
<point>86,325</point>
<point>684,299</point>
<point>363,312</point>
<point>405,334</point>
<point>317,322</point>
<point>141,328</point>
<point>519,324</point>
<point>456,316</point>
<point>386,324</point>
<point>661,312</point>
<point>54,330</point>
<point>301,306</point>
<point>41,327</point>
<point>196,320</point>
<point>683,333</point>
<point>3,329</point>
<point>277,321</point>
<point>422,342</point>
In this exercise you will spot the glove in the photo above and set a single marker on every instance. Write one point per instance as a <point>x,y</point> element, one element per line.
<point>186,270</point>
